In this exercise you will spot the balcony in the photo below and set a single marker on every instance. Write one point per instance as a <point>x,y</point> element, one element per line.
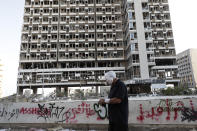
<point>54,31</point>
<point>36,14</point>
<point>36,22</point>
<point>81,22</point>
<point>81,40</point>
<point>62,40</point>
<point>109,30</point>
<point>170,38</point>
<point>44,40</point>
<point>54,22</point>
<point>91,39</point>
<point>55,14</point>
<point>53,40</point>
<point>81,13</point>
<point>35,31</point>
<point>110,39</point>
<point>72,22</point>
<point>119,12</point>
<point>45,22</point>
<point>46,14</point>
<point>43,50</point>
<point>151,63</point>
<point>63,31</point>
<point>110,48</point>
<point>100,39</point>
<point>91,30</point>
<point>34,40</point>
<point>72,13</point>
<point>72,40</point>
<point>165,57</point>
<point>112,58</point>
<point>91,5</point>
<point>63,13</point>
<point>46,5</point>
<point>118,21</point>
<point>99,5</point>
<point>99,13</point>
<point>109,21</point>
<point>99,30</point>
<point>91,22</point>
<point>99,21</point>
<point>55,5</point>
<point>119,39</point>
<point>33,50</point>
<point>44,31</point>
<point>90,13</point>
<point>108,13</point>
<point>150,51</point>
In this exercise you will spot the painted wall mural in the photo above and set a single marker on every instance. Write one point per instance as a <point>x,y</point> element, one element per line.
<point>157,111</point>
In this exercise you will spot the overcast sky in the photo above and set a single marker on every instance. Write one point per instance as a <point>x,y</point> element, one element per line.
<point>183,16</point>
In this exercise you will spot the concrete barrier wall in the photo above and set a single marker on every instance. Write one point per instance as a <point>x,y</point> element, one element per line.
<point>176,111</point>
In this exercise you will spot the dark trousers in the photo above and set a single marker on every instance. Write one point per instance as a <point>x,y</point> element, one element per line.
<point>117,127</point>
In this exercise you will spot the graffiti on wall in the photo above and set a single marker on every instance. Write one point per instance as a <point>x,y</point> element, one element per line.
<point>189,114</point>
<point>102,111</point>
<point>9,114</point>
<point>62,114</point>
<point>59,113</point>
<point>169,110</point>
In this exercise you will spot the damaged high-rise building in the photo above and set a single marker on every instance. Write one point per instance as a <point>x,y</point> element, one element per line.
<point>72,43</point>
<point>150,50</point>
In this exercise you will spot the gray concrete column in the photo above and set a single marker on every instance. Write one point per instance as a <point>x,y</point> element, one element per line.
<point>58,91</point>
<point>35,90</point>
<point>20,91</point>
<point>66,91</point>
<point>97,90</point>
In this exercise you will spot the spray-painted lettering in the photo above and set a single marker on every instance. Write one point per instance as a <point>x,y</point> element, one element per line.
<point>168,109</point>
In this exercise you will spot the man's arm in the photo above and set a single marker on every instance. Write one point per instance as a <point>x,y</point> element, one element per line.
<point>110,101</point>
<point>115,101</point>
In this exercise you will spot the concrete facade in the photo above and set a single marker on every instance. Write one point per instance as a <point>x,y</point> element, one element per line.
<point>150,49</point>
<point>188,68</point>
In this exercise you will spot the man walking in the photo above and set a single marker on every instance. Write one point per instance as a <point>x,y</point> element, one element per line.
<point>117,103</point>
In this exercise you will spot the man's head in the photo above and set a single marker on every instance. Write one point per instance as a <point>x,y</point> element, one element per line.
<point>110,76</point>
